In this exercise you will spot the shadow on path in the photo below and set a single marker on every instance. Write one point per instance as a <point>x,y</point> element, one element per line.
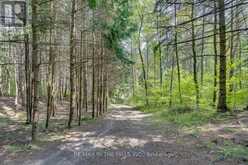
<point>124,137</point>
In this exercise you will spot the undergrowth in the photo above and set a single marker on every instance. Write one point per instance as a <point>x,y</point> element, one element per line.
<point>230,150</point>
<point>183,115</point>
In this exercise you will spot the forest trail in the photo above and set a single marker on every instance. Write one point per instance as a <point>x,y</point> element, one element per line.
<point>124,136</point>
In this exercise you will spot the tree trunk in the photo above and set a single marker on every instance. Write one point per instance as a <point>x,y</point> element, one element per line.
<point>239,44</point>
<point>72,46</point>
<point>80,79</point>
<point>215,54</point>
<point>133,70</point>
<point>28,94</point>
<point>147,60</point>
<point>142,60</point>
<point>35,68</point>
<point>202,49</point>
<point>18,77</point>
<point>98,83</point>
<point>171,80</point>
<point>101,78</point>
<point>194,58</point>
<point>222,106</point>
<point>160,57</point>
<point>231,72</point>
<point>93,76</point>
<point>177,57</point>
<point>85,86</point>
<point>51,68</point>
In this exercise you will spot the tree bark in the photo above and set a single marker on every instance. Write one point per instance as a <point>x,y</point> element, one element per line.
<point>93,76</point>
<point>202,49</point>
<point>35,68</point>
<point>80,79</point>
<point>215,54</point>
<point>142,60</point>
<point>72,47</point>
<point>85,86</point>
<point>194,58</point>
<point>171,80</point>
<point>222,105</point>
<point>177,57</point>
<point>231,72</point>
<point>51,68</point>
<point>18,77</point>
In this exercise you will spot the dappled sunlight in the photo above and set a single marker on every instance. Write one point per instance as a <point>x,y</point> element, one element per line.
<point>223,128</point>
<point>160,138</point>
<point>128,115</point>
<point>113,141</point>
<point>89,140</point>
<point>215,128</point>
<point>232,131</point>
<point>8,110</point>
<point>121,133</point>
<point>120,106</point>
<point>106,142</point>
<point>78,134</point>
<point>123,82</point>
<point>53,137</point>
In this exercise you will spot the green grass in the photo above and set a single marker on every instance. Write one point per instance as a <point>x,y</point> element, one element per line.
<point>231,150</point>
<point>88,119</point>
<point>4,122</point>
<point>184,116</point>
<point>188,118</point>
<point>150,109</point>
<point>15,148</point>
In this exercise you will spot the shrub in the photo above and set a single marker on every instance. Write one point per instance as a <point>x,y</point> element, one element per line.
<point>181,109</point>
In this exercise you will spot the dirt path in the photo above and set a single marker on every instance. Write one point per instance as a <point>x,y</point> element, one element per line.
<point>124,137</point>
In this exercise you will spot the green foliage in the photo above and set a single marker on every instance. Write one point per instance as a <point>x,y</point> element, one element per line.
<point>119,96</point>
<point>12,87</point>
<point>189,119</point>
<point>161,96</point>
<point>152,108</point>
<point>136,100</point>
<point>119,29</point>
<point>92,3</point>
<point>88,120</point>
<point>181,109</point>
<point>4,121</point>
<point>230,150</point>
<point>183,114</point>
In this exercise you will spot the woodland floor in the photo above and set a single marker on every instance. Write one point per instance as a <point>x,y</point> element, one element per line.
<point>124,136</point>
